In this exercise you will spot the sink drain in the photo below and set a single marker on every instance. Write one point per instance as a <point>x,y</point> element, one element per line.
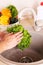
<point>26,60</point>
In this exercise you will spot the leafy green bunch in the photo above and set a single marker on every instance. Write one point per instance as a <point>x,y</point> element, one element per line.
<point>14,11</point>
<point>26,40</point>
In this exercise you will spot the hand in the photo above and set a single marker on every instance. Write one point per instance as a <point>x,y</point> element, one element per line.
<point>2,34</point>
<point>11,40</point>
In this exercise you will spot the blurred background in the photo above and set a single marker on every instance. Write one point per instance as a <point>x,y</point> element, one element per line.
<point>22,3</point>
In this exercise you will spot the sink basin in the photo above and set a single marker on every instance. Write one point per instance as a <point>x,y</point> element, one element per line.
<point>32,55</point>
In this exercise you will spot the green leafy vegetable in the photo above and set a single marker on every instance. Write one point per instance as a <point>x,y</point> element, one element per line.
<point>14,11</point>
<point>25,42</point>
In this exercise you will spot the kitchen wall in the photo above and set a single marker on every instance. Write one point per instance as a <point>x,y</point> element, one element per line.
<point>26,3</point>
<point>20,3</point>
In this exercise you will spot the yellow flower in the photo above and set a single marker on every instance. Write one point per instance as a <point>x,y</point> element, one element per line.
<point>4,20</point>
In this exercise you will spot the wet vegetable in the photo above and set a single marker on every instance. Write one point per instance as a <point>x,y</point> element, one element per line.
<point>8,15</point>
<point>6,12</point>
<point>4,20</point>
<point>26,40</point>
<point>13,10</point>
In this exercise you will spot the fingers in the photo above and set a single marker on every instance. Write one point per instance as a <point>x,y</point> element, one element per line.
<point>16,37</point>
<point>13,35</point>
<point>19,40</point>
<point>17,33</point>
<point>8,34</point>
<point>19,36</point>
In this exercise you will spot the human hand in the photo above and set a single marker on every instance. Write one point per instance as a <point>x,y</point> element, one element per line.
<point>2,34</point>
<point>11,40</point>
